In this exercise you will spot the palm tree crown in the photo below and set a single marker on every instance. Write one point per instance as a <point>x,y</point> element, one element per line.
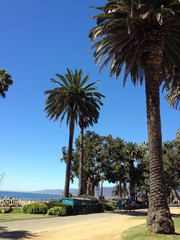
<point>127,29</point>
<point>72,96</point>
<point>5,82</point>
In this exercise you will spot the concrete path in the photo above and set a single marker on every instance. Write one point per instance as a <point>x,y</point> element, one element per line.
<point>19,229</point>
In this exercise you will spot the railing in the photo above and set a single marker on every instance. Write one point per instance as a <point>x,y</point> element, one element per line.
<point>15,202</point>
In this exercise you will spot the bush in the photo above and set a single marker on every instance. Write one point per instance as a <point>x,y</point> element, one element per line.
<point>52,204</point>
<point>109,206</point>
<point>36,208</point>
<point>58,211</point>
<point>89,197</point>
<point>61,210</point>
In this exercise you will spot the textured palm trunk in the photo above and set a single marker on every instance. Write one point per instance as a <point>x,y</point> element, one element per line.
<point>159,218</point>
<point>80,188</point>
<point>69,157</point>
<point>101,193</point>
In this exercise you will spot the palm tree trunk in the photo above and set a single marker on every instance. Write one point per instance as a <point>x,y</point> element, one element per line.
<point>101,194</point>
<point>69,157</point>
<point>159,218</point>
<point>80,188</point>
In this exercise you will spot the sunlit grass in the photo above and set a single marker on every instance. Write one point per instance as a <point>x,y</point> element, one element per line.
<point>17,214</point>
<point>140,233</point>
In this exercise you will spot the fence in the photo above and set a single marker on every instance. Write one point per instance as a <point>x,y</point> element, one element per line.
<point>15,202</point>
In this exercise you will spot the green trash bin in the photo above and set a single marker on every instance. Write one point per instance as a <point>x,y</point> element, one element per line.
<point>81,205</point>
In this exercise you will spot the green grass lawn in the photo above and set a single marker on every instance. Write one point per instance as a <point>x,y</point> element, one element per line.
<point>17,214</point>
<point>140,233</point>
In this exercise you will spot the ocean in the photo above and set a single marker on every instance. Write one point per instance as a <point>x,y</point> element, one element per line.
<point>27,195</point>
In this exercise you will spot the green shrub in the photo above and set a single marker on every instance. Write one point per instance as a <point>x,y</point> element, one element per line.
<point>109,206</point>
<point>61,210</point>
<point>58,211</point>
<point>68,207</point>
<point>35,208</point>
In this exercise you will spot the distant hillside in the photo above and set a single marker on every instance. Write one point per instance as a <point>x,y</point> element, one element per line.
<point>107,191</point>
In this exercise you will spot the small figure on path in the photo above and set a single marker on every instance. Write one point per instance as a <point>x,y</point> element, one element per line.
<point>119,204</point>
<point>129,205</point>
<point>134,205</point>
<point>126,205</point>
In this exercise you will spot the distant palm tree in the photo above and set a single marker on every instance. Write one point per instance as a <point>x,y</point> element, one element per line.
<point>5,82</point>
<point>143,37</point>
<point>74,99</point>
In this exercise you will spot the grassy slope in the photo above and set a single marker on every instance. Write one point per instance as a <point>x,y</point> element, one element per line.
<point>17,214</point>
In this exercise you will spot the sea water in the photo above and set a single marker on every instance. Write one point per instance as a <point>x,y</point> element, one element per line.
<point>27,195</point>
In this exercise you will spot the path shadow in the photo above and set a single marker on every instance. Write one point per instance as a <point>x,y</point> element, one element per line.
<point>175,215</point>
<point>13,234</point>
<point>131,213</point>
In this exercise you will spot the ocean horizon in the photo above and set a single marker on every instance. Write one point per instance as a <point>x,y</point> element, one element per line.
<point>28,195</point>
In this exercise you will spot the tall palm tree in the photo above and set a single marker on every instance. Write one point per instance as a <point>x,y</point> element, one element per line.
<point>74,99</point>
<point>93,103</point>
<point>143,37</point>
<point>5,82</point>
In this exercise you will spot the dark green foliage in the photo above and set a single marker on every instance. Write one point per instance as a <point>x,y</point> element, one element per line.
<point>5,82</point>
<point>69,209</point>
<point>89,197</point>
<point>58,211</point>
<point>109,206</point>
<point>35,208</point>
<point>88,208</point>
<point>52,204</point>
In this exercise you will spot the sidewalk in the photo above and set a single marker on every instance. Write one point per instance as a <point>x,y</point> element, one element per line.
<point>20,229</point>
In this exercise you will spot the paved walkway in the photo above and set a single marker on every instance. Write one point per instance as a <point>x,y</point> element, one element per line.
<point>22,228</point>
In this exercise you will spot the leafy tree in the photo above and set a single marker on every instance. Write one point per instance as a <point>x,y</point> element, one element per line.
<point>74,99</point>
<point>143,37</point>
<point>171,160</point>
<point>93,160</point>
<point>115,167</point>
<point>5,82</point>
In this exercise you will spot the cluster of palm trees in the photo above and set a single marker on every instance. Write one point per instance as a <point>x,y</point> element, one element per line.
<point>81,103</point>
<point>143,37</point>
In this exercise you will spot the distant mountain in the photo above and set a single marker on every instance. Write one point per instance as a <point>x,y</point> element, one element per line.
<point>107,191</point>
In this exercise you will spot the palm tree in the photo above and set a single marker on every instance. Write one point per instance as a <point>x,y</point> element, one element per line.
<point>143,37</point>
<point>74,99</point>
<point>5,82</point>
<point>93,100</point>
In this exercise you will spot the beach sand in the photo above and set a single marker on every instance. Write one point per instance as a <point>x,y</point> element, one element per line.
<point>110,227</point>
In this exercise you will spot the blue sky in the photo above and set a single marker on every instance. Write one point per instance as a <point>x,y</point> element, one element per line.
<point>40,38</point>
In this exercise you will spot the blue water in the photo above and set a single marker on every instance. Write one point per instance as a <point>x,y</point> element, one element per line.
<point>27,195</point>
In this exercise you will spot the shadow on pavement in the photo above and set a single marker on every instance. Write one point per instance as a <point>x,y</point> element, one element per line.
<point>174,215</point>
<point>4,234</point>
<point>131,213</point>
